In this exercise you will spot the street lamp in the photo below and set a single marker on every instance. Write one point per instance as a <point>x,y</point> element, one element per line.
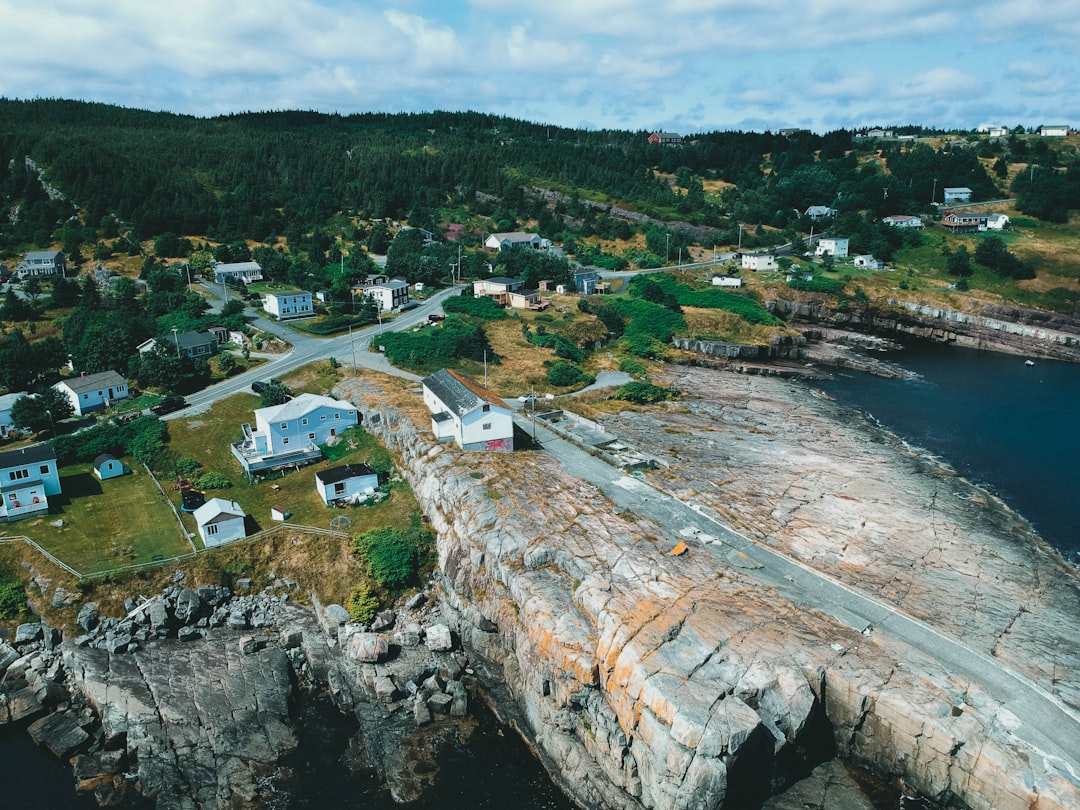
<point>176,341</point>
<point>52,424</point>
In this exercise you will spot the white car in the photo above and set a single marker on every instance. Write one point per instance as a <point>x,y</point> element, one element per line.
<point>527,398</point>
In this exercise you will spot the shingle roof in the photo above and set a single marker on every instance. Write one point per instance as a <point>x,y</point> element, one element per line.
<point>27,455</point>
<point>217,509</point>
<point>460,393</point>
<point>103,459</point>
<point>301,406</point>
<point>91,382</point>
<point>336,474</point>
<point>516,236</point>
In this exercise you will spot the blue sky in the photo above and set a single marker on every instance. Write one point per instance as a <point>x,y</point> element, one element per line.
<point>684,65</point>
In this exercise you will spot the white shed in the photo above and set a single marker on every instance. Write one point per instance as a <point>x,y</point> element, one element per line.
<point>220,521</point>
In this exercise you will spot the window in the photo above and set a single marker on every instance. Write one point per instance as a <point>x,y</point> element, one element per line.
<point>303,421</point>
<point>339,488</point>
<point>44,469</point>
<point>337,415</point>
<point>311,436</point>
<point>18,475</point>
<point>486,409</point>
<point>487,426</point>
<point>284,425</point>
<point>322,417</point>
<point>285,440</point>
<point>210,528</point>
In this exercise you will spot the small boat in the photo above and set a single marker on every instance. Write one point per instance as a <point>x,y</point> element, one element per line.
<point>1029,362</point>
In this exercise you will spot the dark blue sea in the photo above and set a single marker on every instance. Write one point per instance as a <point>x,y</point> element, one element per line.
<point>1011,428</point>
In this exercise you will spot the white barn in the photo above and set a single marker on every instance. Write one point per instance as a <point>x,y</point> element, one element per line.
<point>466,412</point>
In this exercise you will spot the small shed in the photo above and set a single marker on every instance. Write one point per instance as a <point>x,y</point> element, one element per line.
<point>351,482</point>
<point>220,521</point>
<point>279,513</point>
<point>108,466</point>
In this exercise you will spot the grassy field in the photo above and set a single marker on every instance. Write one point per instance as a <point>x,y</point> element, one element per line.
<point>106,524</point>
<point>207,437</point>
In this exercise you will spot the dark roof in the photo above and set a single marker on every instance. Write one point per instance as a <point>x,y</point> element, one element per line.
<point>335,474</point>
<point>92,382</point>
<point>189,340</point>
<point>458,392</point>
<point>502,280</point>
<point>104,459</point>
<point>27,455</point>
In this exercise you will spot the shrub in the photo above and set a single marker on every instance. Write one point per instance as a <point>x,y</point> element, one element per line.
<point>213,480</point>
<point>563,373</point>
<point>628,366</point>
<point>392,555</point>
<point>484,308</point>
<point>643,393</point>
<point>362,604</point>
<point>12,596</point>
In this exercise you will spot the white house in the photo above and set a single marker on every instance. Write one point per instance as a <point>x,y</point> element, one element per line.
<point>220,521</point>
<point>513,239</point>
<point>391,296</point>
<point>903,221</point>
<point>837,247</point>
<point>93,392</point>
<point>526,299</point>
<point>42,263</point>
<point>497,287</point>
<point>246,272</point>
<point>7,402</point>
<point>997,222</point>
<point>465,411</point>
<point>957,194</point>
<point>108,466</point>
<point>726,281</point>
<point>868,262</point>
<point>351,483</point>
<point>289,435</point>
<point>758,262</point>
<point>28,476</point>
<point>1054,131</point>
<point>291,304</point>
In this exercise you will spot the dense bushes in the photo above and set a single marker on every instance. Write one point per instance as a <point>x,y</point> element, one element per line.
<point>829,286</point>
<point>561,346</point>
<point>563,373</point>
<point>484,308</point>
<point>643,393</point>
<point>435,348</point>
<point>144,439</point>
<point>393,556</point>
<point>12,596</point>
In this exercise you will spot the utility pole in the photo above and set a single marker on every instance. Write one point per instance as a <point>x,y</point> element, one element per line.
<point>352,346</point>
<point>176,341</point>
<point>933,193</point>
<point>667,249</point>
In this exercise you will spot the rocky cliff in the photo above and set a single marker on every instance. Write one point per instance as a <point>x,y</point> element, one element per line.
<point>651,680</point>
<point>1014,330</point>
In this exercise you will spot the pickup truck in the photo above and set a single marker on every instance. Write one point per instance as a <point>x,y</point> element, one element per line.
<point>168,405</point>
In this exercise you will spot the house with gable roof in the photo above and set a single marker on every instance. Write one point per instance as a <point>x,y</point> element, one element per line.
<point>246,272</point>
<point>513,239</point>
<point>42,263</point>
<point>93,392</point>
<point>7,402</point>
<point>220,521</point>
<point>289,434</point>
<point>349,482</point>
<point>666,139</point>
<point>28,476</point>
<point>466,412</point>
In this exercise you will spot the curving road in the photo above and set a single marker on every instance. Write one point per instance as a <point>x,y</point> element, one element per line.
<point>1034,715</point>
<point>348,350</point>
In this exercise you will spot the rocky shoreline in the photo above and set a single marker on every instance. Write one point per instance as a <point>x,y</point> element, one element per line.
<point>187,700</point>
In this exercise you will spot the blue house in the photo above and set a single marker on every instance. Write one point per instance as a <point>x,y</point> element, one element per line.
<point>289,435</point>
<point>585,281</point>
<point>28,477</point>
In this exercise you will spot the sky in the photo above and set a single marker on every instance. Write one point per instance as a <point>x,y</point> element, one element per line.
<point>678,65</point>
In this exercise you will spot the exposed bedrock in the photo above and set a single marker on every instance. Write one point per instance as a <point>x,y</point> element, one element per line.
<point>647,680</point>
<point>1013,330</point>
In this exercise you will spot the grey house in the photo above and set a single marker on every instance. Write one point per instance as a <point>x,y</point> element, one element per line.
<point>42,263</point>
<point>195,345</point>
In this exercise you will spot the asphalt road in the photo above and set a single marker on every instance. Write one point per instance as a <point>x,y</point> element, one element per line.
<point>1033,713</point>
<point>347,350</point>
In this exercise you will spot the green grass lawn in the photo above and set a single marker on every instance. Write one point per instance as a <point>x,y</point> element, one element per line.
<point>207,437</point>
<point>106,524</point>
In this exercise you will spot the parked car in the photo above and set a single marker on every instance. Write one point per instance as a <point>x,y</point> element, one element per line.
<point>168,405</point>
<point>527,398</point>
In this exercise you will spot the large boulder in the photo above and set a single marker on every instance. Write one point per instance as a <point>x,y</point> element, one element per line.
<point>88,616</point>
<point>368,648</point>
<point>438,638</point>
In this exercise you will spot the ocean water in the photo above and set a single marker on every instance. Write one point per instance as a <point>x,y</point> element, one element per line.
<point>1008,427</point>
